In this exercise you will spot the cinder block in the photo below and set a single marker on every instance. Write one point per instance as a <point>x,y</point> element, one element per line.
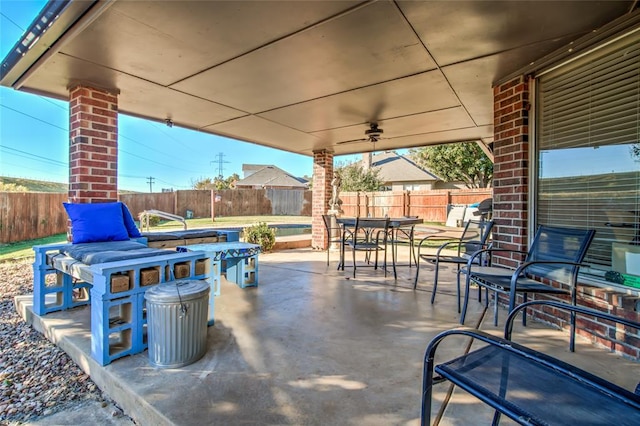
<point>181,270</point>
<point>119,283</point>
<point>149,276</point>
<point>201,266</point>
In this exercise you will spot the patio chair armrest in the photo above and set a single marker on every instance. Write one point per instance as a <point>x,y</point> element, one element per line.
<point>489,250</point>
<point>462,331</point>
<point>521,269</point>
<point>458,244</point>
<point>437,236</point>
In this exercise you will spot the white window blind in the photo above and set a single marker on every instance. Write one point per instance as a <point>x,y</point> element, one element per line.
<point>588,133</point>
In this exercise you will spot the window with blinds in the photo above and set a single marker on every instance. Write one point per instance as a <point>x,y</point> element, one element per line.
<point>588,149</point>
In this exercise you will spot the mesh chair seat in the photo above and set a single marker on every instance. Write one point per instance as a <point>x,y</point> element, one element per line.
<point>513,379</point>
<point>503,282</point>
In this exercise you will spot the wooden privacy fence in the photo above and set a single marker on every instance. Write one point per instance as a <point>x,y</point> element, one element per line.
<point>431,206</point>
<point>30,215</point>
<point>227,202</point>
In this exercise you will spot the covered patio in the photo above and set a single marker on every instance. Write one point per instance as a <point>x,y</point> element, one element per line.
<point>311,346</point>
<point>535,84</point>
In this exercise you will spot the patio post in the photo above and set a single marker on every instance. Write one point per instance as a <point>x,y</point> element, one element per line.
<point>511,166</point>
<point>322,176</point>
<point>93,145</point>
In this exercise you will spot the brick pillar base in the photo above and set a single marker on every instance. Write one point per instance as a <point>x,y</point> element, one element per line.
<point>322,176</point>
<point>511,168</point>
<point>93,149</point>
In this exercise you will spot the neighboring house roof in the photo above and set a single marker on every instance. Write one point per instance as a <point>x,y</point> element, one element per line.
<point>270,176</point>
<point>249,169</point>
<point>397,168</point>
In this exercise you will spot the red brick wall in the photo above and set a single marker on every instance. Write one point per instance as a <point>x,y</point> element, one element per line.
<point>322,176</point>
<point>93,145</point>
<point>511,151</point>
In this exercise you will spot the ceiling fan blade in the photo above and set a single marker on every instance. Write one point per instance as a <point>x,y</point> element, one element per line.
<point>377,112</point>
<point>352,141</point>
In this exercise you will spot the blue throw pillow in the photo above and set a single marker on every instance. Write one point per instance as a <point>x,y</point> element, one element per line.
<point>129,222</point>
<point>97,222</point>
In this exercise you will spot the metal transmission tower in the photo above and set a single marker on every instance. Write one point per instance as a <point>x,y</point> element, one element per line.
<point>220,161</point>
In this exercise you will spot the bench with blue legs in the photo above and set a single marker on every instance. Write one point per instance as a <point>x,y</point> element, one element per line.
<point>114,287</point>
<point>110,266</point>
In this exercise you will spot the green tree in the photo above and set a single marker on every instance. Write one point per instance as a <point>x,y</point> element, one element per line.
<point>357,178</point>
<point>463,161</point>
<point>216,183</point>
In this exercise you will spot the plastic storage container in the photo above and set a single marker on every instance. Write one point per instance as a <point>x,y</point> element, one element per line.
<point>177,322</point>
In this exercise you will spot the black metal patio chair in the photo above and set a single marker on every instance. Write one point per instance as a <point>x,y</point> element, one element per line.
<point>369,235</point>
<point>555,255</point>
<point>474,237</point>
<point>404,235</point>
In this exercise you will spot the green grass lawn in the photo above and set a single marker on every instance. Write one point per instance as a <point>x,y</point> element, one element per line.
<point>231,221</point>
<point>23,249</point>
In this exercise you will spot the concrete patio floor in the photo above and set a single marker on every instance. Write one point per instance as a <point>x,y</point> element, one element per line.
<point>313,346</point>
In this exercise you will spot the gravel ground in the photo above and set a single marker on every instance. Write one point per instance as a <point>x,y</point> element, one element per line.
<point>36,378</point>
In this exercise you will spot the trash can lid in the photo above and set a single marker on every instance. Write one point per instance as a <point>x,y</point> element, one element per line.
<point>177,291</point>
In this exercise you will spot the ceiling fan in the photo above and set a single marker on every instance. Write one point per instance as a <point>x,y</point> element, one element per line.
<point>372,134</point>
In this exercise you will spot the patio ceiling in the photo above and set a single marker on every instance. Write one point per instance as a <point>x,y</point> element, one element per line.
<point>306,75</point>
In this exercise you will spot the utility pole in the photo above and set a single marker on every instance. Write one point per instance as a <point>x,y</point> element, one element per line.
<point>150,180</point>
<point>220,161</point>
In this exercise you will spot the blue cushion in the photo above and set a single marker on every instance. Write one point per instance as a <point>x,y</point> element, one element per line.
<point>129,223</point>
<point>96,222</point>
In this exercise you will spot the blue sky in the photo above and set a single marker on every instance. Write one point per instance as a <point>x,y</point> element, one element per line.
<point>34,135</point>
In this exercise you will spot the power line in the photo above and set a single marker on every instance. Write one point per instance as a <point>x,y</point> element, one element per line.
<point>29,168</point>
<point>172,184</point>
<point>154,149</point>
<point>170,136</point>
<point>53,103</point>
<point>35,118</point>
<point>122,136</point>
<point>28,155</point>
<point>12,21</point>
<point>173,167</point>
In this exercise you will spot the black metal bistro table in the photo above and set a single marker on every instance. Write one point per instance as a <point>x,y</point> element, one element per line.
<point>396,225</point>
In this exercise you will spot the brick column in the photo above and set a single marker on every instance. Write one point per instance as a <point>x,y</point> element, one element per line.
<point>322,176</point>
<point>511,165</point>
<point>93,145</point>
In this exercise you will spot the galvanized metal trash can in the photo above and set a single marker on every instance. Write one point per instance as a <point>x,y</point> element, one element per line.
<point>177,314</point>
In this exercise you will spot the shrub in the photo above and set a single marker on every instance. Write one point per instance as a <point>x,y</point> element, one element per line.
<point>261,234</point>
<point>153,221</point>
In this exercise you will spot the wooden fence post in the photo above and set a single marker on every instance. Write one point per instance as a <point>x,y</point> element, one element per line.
<point>175,201</point>
<point>405,203</point>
